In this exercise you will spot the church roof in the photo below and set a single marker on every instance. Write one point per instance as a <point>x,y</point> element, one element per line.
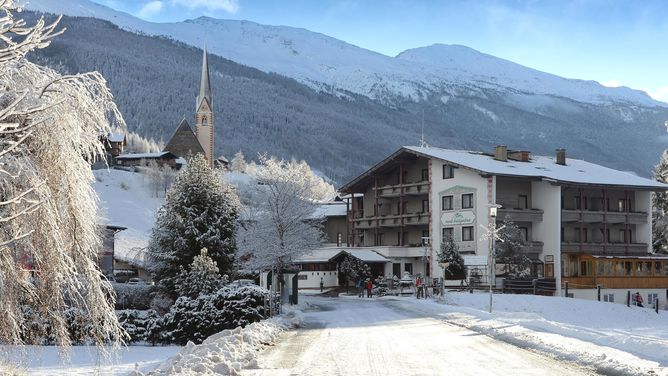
<point>205,83</point>
<point>184,142</point>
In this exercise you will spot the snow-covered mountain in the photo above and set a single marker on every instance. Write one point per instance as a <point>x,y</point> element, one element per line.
<point>331,65</point>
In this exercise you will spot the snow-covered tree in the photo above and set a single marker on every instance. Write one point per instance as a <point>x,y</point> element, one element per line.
<point>278,224</point>
<point>159,178</point>
<point>351,269</point>
<point>660,208</point>
<point>449,254</point>
<point>238,163</point>
<point>200,211</point>
<point>202,277</point>
<point>49,236</point>
<point>139,144</point>
<point>509,250</point>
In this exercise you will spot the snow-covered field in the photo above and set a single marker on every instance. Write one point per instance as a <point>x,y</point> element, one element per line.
<point>611,337</point>
<point>84,360</point>
<point>402,335</point>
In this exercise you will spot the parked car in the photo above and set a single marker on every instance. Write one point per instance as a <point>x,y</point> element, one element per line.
<point>136,281</point>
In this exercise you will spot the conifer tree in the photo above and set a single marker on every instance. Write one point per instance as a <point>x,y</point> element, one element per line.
<point>351,269</point>
<point>201,278</point>
<point>509,250</point>
<point>238,163</point>
<point>449,254</point>
<point>200,211</point>
<point>660,208</point>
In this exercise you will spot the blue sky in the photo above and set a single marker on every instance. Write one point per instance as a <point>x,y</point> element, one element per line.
<point>611,41</point>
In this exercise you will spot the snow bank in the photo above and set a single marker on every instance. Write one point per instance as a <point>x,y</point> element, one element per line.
<point>229,351</point>
<point>611,338</point>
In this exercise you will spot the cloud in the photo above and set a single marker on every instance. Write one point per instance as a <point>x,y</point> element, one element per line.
<point>660,93</point>
<point>229,6</point>
<point>611,83</point>
<point>150,9</point>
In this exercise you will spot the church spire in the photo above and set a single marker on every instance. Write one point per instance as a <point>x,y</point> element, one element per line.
<point>204,85</point>
<point>204,112</point>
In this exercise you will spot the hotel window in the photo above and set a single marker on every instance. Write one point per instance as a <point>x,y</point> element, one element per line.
<point>610,298</point>
<point>447,203</point>
<point>339,239</point>
<point>524,232</point>
<point>651,298</point>
<point>622,236</point>
<point>523,202</point>
<point>586,268</point>
<point>425,174</point>
<point>448,233</point>
<point>600,267</point>
<point>467,201</point>
<point>628,268</point>
<point>467,233</point>
<point>448,172</point>
<point>425,206</point>
<point>425,237</point>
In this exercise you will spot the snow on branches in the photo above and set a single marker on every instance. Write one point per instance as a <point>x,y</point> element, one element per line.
<point>200,211</point>
<point>49,237</point>
<point>660,212</point>
<point>278,223</point>
<point>449,255</point>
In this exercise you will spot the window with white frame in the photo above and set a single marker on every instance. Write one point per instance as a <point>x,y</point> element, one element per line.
<point>467,201</point>
<point>448,172</point>
<point>651,298</point>
<point>448,233</point>
<point>467,233</point>
<point>609,298</point>
<point>446,203</point>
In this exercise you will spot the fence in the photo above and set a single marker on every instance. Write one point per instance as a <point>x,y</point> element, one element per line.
<point>537,286</point>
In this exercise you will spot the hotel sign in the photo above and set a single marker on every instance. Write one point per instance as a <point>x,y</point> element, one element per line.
<point>458,218</point>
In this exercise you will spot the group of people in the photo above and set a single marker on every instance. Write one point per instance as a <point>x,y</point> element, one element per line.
<point>363,285</point>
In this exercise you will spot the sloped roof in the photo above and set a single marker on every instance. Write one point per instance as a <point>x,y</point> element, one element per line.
<point>329,254</point>
<point>577,172</point>
<point>184,142</point>
<point>159,154</point>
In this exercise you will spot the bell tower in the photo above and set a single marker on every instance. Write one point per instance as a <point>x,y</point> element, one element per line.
<point>204,112</point>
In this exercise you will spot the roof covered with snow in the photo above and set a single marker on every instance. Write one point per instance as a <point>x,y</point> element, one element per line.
<point>331,209</point>
<point>116,137</point>
<point>328,254</point>
<point>575,171</point>
<point>159,154</point>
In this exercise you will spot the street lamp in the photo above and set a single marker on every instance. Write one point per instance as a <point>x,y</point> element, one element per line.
<point>493,235</point>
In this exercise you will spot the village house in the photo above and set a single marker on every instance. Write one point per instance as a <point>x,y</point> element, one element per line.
<point>584,225</point>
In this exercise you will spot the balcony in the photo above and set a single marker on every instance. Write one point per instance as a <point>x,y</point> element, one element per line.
<point>409,219</point>
<point>521,215</point>
<point>589,216</point>
<point>610,249</point>
<point>410,189</point>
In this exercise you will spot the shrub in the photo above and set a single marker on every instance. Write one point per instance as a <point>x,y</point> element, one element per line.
<point>133,296</point>
<point>140,325</point>
<point>195,319</point>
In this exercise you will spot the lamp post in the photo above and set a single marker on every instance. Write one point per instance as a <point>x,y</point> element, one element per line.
<point>493,236</point>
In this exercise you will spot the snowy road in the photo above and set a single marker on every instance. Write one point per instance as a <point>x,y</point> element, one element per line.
<point>351,336</point>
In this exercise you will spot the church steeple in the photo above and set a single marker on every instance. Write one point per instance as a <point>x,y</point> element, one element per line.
<point>204,84</point>
<point>204,112</point>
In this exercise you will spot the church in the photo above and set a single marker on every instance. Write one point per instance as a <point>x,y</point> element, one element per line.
<point>184,141</point>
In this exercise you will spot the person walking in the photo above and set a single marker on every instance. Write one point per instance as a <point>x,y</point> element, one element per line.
<point>369,288</point>
<point>418,286</point>
<point>638,299</point>
<point>360,287</point>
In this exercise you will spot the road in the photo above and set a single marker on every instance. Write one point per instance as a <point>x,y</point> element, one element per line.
<point>349,336</point>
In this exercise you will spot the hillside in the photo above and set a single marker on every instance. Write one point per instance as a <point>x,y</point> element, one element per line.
<point>155,82</point>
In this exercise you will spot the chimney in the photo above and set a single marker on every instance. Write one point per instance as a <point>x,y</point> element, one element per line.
<point>501,153</point>
<point>561,157</point>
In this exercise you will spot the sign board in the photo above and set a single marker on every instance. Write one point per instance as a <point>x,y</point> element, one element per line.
<point>475,260</point>
<point>466,217</point>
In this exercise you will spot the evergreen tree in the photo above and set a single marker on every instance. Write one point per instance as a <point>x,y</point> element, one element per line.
<point>202,277</point>
<point>351,269</point>
<point>449,254</point>
<point>660,208</point>
<point>509,250</point>
<point>200,211</point>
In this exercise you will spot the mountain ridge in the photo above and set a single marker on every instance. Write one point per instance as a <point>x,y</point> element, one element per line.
<point>333,65</point>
